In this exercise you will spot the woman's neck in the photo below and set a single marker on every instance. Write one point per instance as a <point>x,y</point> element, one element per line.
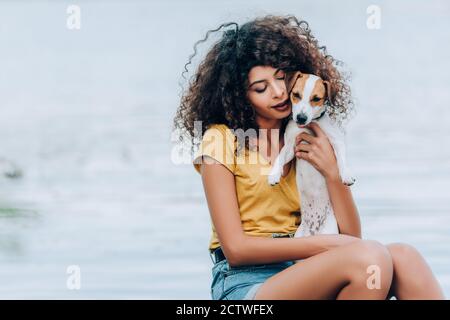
<point>269,125</point>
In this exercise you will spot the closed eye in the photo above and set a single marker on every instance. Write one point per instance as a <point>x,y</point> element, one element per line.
<point>316,99</point>
<point>262,90</point>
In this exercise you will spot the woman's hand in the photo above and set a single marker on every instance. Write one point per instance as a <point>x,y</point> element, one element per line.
<point>318,152</point>
<point>331,241</point>
<point>323,242</point>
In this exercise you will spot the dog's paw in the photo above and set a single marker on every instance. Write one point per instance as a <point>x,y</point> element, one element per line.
<point>348,181</point>
<point>347,177</point>
<point>274,178</point>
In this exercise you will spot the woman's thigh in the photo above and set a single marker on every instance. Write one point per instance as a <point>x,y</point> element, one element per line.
<point>322,276</point>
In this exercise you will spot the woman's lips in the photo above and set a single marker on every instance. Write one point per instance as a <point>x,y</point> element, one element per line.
<point>283,107</point>
<point>280,104</point>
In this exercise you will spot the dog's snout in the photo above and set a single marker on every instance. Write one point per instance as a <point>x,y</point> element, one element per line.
<point>301,118</point>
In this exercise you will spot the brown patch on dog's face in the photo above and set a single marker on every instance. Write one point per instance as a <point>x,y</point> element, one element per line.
<point>296,83</point>
<point>318,94</point>
<point>328,88</point>
<point>291,79</point>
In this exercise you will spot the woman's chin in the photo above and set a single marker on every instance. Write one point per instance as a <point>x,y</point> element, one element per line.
<point>283,115</point>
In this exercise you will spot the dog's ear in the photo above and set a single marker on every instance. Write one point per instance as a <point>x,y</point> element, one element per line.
<point>328,90</point>
<point>291,79</point>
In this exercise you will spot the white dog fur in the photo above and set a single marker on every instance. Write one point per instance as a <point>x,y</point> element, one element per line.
<point>317,216</point>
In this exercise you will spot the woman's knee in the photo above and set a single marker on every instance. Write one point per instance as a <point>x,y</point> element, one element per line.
<point>407,261</point>
<point>372,258</point>
<point>403,253</point>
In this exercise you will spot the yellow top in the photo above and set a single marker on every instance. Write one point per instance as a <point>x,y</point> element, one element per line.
<point>264,209</point>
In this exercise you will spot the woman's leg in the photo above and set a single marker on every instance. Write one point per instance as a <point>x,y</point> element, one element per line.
<point>340,273</point>
<point>413,278</point>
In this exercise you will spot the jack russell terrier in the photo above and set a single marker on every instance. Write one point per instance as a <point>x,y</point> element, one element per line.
<point>307,94</point>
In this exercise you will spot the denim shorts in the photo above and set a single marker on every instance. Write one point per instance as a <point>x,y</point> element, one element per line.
<point>242,282</point>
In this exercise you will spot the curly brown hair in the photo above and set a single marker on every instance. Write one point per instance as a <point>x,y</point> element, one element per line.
<point>217,92</point>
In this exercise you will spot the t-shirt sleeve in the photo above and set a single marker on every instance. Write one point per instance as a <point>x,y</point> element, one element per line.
<point>218,142</point>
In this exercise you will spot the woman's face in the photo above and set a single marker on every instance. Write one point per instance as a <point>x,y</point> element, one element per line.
<point>267,89</point>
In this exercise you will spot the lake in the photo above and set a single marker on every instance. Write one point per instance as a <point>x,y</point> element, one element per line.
<point>86,121</point>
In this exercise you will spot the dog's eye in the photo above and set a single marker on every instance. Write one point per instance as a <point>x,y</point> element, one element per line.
<point>297,95</point>
<point>316,99</point>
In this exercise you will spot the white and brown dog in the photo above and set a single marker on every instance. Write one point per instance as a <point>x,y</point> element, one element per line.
<point>308,94</point>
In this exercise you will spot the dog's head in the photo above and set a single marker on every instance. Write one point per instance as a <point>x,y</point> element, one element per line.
<point>308,94</point>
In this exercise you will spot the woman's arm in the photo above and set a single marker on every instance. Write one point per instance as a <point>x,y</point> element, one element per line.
<point>241,249</point>
<point>320,154</point>
<point>258,250</point>
<point>344,207</point>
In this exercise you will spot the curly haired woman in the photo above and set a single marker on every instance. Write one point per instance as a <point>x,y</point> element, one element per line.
<point>236,86</point>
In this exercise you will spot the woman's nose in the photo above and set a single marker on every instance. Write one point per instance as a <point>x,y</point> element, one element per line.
<point>278,90</point>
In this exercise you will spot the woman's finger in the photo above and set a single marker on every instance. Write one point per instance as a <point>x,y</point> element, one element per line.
<point>305,136</point>
<point>307,156</point>
<point>303,147</point>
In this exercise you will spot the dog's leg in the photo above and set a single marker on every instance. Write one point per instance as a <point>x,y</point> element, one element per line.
<point>337,140</point>
<point>277,170</point>
<point>286,155</point>
<point>339,151</point>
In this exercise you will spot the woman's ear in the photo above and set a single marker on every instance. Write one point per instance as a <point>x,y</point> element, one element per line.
<point>291,79</point>
<point>328,90</point>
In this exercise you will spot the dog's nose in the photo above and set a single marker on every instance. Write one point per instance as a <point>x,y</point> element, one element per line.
<point>301,118</point>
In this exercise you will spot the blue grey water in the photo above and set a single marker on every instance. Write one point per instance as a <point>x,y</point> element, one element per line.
<point>86,116</point>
